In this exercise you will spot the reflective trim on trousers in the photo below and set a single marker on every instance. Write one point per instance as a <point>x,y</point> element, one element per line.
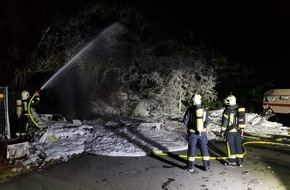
<point>206,158</point>
<point>192,159</point>
<point>20,134</point>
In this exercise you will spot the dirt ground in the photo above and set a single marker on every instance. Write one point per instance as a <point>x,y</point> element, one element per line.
<point>10,169</point>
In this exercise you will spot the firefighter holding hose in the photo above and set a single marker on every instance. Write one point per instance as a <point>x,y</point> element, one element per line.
<point>24,112</point>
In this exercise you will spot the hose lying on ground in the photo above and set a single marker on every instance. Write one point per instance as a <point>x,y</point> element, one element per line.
<point>184,156</point>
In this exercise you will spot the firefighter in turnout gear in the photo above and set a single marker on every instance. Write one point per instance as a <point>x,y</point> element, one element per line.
<point>196,121</point>
<point>23,113</point>
<point>232,129</point>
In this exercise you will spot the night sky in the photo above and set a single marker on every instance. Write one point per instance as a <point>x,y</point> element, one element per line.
<point>257,34</point>
<point>250,32</point>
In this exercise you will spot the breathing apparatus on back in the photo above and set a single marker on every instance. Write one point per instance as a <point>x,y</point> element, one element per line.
<point>241,111</point>
<point>199,112</point>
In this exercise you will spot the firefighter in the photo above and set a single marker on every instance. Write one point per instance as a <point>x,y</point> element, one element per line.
<point>232,129</point>
<point>23,118</point>
<point>25,115</point>
<point>196,121</point>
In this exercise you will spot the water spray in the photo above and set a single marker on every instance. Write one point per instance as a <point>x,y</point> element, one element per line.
<point>110,31</point>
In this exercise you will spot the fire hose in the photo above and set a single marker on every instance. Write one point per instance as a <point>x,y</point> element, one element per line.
<point>184,156</point>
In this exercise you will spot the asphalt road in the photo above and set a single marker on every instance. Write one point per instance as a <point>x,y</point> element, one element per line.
<point>267,168</point>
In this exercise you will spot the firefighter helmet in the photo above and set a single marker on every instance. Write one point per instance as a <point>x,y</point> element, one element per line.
<point>196,99</point>
<point>230,100</point>
<point>25,95</point>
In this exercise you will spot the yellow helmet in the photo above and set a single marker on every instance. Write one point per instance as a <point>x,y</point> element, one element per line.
<point>25,95</point>
<point>230,100</point>
<point>196,99</point>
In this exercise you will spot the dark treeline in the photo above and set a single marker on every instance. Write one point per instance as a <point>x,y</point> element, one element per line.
<point>194,43</point>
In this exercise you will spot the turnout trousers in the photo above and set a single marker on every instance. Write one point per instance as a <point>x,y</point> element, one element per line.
<point>234,146</point>
<point>197,141</point>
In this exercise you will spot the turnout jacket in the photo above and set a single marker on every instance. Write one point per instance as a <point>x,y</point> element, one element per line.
<point>230,120</point>
<point>190,119</point>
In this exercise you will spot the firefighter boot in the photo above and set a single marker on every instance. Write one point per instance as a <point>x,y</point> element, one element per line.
<point>240,162</point>
<point>206,165</point>
<point>231,163</point>
<point>190,166</point>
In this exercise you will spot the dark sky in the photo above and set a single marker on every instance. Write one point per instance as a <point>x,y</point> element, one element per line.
<point>256,33</point>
